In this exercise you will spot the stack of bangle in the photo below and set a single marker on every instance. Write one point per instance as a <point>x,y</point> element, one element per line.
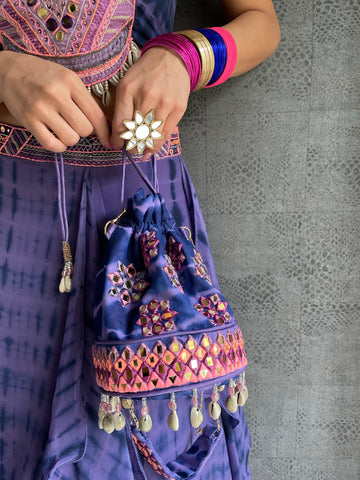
<point>209,54</point>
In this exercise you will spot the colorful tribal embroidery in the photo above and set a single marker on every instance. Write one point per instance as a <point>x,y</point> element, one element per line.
<point>214,309</point>
<point>128,284</point>
<point>156,317</point>
<point>182,362</point>
<point>171,273</point>
<point>149,244</point>
<point>175,252</point>
<point>200,267</point>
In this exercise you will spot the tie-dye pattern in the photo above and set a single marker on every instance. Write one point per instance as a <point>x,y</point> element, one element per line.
<point>49,398</point>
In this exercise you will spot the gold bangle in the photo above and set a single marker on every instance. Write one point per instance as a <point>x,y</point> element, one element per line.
<point>206,55</point>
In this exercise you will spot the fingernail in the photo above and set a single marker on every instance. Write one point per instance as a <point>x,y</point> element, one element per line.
<point>108,146</point>
<point>116,148</point>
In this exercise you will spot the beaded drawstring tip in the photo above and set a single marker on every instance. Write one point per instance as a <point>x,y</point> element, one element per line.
<point>67,273</point>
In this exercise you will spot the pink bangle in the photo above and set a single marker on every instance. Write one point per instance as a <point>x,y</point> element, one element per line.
<point>184,48</point>
<point>231,55</point>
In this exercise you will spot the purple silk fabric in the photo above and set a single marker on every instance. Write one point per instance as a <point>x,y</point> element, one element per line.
<point>49,397</point>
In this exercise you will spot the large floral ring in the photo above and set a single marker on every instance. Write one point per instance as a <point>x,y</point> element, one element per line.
<point>142,131</point>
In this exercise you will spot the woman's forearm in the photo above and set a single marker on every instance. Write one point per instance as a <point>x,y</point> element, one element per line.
<point>256,31</point>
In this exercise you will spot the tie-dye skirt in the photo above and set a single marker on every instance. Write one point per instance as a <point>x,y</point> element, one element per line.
<point>48,393</point>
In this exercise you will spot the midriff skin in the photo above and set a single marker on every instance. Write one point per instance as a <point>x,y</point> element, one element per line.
<point>8,118</point>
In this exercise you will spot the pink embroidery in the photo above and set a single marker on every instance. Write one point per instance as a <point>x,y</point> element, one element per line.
<point>149,244</point>
<point>214,309</point>
<point>200,267</point>
<point>155,317</point>
<point>149,457</point>
<point>175,252</point>
<point>181,363</point>
<point>128,284</point>
<point>171,273</point>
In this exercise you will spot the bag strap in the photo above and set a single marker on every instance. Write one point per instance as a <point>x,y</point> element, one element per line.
<point>154,187</point>
<point>187,465</point>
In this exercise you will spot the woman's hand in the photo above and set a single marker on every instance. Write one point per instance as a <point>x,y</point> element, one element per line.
<point>159,80</point>
<point>50,101</point>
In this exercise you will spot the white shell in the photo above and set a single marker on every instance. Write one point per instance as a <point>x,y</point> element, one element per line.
<point>62,285</point>
<point>108,423</point>
<point>231,404</point>
<point>106,98</point>
<point>101,416</point>
<point>241,399</point>
<point>214,410</point>
<point>145,423</point>
<point>173,421</point>
<point>246,392</point>
<point>196,417</point>
<point>221,388</point>
<point>67,284</point>
<point>119,421</point>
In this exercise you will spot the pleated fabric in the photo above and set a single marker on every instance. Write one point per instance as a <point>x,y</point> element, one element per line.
<point>48,393</point>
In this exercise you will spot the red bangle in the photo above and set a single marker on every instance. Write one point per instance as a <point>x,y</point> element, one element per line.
<point>231,55</point>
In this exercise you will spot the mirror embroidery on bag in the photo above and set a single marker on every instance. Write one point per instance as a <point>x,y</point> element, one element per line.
<point>127,284</point>
<point>156,317</point>
<point>214,309</point>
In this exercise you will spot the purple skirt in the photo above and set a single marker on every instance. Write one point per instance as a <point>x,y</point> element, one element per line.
<point>49,397</point>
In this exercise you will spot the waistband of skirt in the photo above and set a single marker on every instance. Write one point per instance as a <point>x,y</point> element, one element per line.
<point>88,152</point>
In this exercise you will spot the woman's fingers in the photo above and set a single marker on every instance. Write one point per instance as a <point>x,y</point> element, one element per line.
<point>93,119</point>
<point>124,110</point>
<point>46,138</point>
<point>158,81</point>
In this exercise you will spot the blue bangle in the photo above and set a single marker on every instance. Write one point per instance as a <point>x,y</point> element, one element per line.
<point>220,52</point>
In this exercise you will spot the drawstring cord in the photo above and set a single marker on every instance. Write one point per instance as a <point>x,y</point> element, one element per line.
<point>67,272</point>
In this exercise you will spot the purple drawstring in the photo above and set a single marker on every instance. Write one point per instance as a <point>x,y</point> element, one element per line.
<point>66,275</point>
<point>67,272</point>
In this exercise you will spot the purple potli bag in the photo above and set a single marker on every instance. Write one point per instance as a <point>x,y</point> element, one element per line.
<point>164,331</point>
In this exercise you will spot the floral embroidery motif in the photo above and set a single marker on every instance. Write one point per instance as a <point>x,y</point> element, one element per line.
<point>155,317</point>
<point>214,309</point>
<point>171,273</point>
<point>180,362</point>
<point>200,267</point>
<point>175,252</point>
<point>149,244</point>
<point>128,284</point>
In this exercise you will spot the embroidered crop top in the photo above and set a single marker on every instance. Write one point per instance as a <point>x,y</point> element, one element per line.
<point>90,37</point>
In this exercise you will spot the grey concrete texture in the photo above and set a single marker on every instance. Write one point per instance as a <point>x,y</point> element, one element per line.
<point>275,158</point>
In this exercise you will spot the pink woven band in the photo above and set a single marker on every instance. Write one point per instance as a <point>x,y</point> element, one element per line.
<point>231,55</point>
<point>184,48</point>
